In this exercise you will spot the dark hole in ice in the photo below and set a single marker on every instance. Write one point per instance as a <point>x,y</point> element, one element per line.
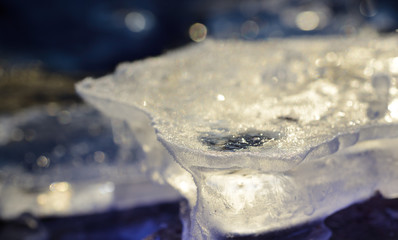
<point>287,118</point>
<point>238,141</point>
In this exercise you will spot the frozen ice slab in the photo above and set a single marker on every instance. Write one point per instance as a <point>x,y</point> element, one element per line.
<point>65,161</point>
<point>273,134</point>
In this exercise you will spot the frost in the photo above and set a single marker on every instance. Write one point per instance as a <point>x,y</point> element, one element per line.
<point>267,135</point>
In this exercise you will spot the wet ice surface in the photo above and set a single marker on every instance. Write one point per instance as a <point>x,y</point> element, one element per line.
<point>268,135</point>
<point>66,161</point>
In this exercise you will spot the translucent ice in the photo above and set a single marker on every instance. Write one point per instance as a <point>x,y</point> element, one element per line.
<point>267,135</point>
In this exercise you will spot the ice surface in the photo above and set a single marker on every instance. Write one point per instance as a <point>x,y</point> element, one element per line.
<point>63,161</point>
<point>268,134</point>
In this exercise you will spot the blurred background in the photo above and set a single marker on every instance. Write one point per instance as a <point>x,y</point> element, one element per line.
<point>63,173</point>
<point>53,43</point>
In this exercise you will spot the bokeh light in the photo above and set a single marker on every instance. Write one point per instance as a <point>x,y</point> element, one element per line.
<point>307,21</point>
<point>135,21</point>
<point>198,32</point>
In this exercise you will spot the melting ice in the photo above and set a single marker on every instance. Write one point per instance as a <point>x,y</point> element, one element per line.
<point>267,135</point>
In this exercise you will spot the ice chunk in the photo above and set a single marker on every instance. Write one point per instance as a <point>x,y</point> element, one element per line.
<point>273,133</point>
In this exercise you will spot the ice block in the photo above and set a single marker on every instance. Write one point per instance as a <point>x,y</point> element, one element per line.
<point>266,135</point>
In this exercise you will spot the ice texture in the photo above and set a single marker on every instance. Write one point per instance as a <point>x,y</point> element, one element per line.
<point>267,134</point>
